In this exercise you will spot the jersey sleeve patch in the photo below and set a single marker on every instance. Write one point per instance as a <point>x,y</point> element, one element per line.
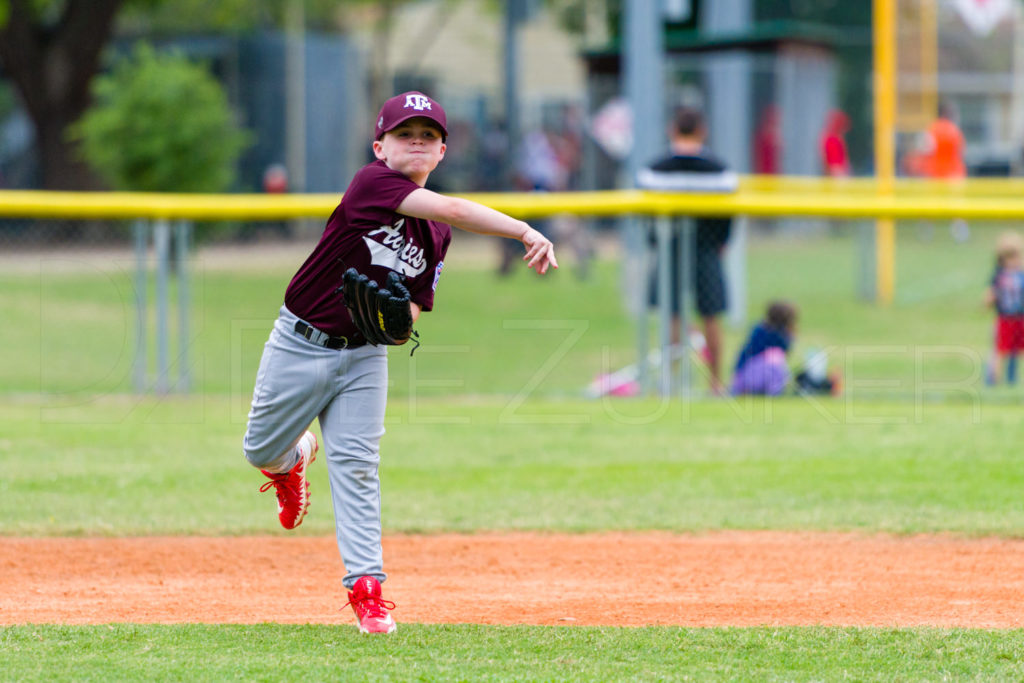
<point>437,275</point>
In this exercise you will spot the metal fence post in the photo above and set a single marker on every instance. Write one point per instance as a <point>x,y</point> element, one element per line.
<point>639,233</point>
<point>867,279</point>
<point>162,243</point>
<point>140,230</point>
<point>687,237</point>
<point>663,228</point>
<point>183,239</point>
<point>736,273</point>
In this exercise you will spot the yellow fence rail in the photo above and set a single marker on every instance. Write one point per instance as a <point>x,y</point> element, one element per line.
<point>987,199</point>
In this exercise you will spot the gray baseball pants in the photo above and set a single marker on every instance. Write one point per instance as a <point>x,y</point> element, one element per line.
<point>347,391</point>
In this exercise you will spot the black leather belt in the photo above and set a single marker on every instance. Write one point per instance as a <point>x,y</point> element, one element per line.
<point>321,338</point>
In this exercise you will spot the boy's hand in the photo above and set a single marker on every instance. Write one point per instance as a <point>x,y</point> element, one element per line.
<point>540,252</point>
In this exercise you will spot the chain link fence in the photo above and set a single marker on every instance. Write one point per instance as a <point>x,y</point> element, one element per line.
<point>120,304</point>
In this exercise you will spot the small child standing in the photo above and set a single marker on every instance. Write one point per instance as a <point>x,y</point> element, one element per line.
<point>1006,295</point>
<point>761,366</point>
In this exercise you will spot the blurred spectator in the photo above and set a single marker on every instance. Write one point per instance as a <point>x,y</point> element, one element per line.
<point>767,156</point>
<point>768,142</point>
<point>940,149</point>
<point>835,159</point>
<point>571,229</point>
<point>538,169</point>
<point>691,168</point>
<point>275,181</point>
<point>1006,294</point>
<point>761,366</point>
<point>940,155</point>
<point>549,161</point>
<point>492,158</point>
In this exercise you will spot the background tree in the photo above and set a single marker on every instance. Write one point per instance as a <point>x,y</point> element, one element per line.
<point>160,123</point>
<point>51,50</point>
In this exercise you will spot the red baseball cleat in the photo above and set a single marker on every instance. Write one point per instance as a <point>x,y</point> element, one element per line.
<point>292,487</point>
<point>370,608</point>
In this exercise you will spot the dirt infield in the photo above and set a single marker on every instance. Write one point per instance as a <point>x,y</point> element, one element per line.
<point>634,579</point>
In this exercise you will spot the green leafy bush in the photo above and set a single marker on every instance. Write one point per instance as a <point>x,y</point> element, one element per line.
<point>160,123</point>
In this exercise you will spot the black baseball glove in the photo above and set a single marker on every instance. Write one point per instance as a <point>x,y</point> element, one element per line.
<point>383,315</point>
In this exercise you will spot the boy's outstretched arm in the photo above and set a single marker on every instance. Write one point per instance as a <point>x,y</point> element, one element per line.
<point>468,215</point>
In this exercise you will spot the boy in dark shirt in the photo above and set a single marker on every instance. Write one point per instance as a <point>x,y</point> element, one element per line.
<point>692,169</point>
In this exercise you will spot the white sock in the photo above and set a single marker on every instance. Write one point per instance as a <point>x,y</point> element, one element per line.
<point>304,447</point>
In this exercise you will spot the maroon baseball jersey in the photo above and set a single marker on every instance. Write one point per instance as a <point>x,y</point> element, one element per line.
<point>365,232</point>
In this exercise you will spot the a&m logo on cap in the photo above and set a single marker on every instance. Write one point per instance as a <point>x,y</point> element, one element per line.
<point>403,107</point>
<point>417,102</point>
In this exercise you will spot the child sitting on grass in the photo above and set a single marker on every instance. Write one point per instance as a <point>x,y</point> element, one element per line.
<point>761,366</point>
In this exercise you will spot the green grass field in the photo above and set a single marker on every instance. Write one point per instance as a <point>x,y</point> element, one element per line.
<point>549,465</point>
<point>271,652</point>
<point>487,430</point>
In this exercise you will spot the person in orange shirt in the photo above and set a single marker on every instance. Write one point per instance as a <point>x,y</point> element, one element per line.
<point>940,155</point>
<point>946,144</point>
<point>940,149</point>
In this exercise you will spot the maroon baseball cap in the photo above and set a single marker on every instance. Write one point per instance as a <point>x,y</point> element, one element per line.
<point>407,106</point>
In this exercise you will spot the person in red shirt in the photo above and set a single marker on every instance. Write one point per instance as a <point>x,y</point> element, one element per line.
<point>768,142</point>
<point>834,157</point>
<point>317,366</point>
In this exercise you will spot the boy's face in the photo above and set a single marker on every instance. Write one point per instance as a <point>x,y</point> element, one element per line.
<point>413,148</point>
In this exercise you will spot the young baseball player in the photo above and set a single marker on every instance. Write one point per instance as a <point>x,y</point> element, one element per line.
<point>374,270</point>
<point>1006,294</point>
